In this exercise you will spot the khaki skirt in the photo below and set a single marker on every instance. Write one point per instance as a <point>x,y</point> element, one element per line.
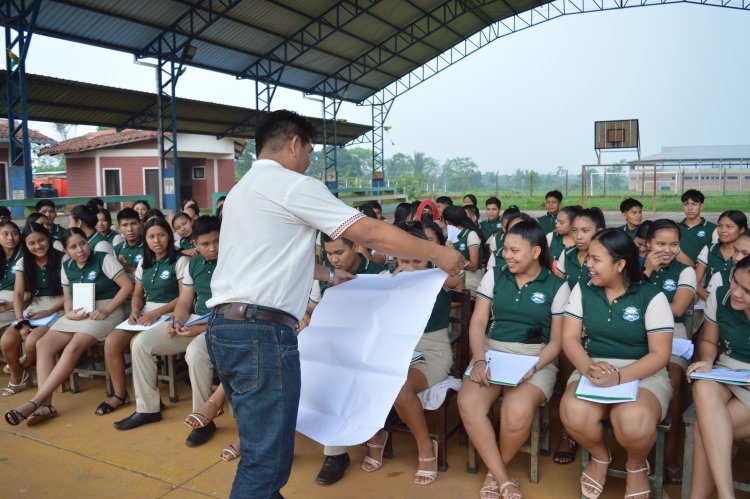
<point>438,357</point>
<point>473,279</point>
<point>679,332</point>
<point>97,329</point>
<point>544,378</point>
<point>658,383</point>
<point>742,393</point>
<point>7,317</point>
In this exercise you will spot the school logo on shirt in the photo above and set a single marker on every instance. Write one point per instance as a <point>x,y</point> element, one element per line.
<point>91,276</point>
<point>631,314</point>
<point>669,285</point>
<point>538,298</point>
<point>499,225</point>
<point>701,233</point>
<point>462,247</point>
<point>12,270</point>
<point>164,275</point>
<point>138,258</point>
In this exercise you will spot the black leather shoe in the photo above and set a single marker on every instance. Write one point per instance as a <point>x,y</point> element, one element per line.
<point>137,419</point>
<point>333,469</point>
<point>200,436</point>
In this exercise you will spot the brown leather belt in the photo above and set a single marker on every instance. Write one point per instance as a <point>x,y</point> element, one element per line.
<point>240,311</point>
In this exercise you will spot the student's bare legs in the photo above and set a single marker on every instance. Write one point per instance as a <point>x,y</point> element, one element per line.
<point>516,412</point>
<point>634,425</point>
<point>114,347</point>
<point>583,420</point>
<point>209,410</point>
<point>721,419</point>
<point>409,409</point>
<point>474,403</point>
<point>565,452</point>
<point>674,472</point>
<point>9,343</point>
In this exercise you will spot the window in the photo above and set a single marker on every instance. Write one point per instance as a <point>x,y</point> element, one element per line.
<point>199,173</point>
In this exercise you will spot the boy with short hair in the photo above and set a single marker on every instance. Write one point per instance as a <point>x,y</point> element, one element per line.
<point>695,231</point>
<point>632,212</point>
<point>552,202</point>
<point>130,251</point>
<point>47,208</point>
<point>442,202</point>
<point>493,224</point>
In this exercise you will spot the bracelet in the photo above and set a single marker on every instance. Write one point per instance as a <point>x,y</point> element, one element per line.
<point>331,277</point>
<point>618,375</point>
<point>475,362</point>
<point>21,324</point>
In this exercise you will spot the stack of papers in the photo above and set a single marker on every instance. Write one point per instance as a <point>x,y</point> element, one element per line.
<point>506,368</point>
<point>416,356</point>
<point>126,326</point>
<point>43,321</point>
<point>739,377</point>
<point>682,348</point>
<point>624,392</point>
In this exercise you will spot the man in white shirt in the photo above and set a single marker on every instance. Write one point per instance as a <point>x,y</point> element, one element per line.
<point>261,285</point>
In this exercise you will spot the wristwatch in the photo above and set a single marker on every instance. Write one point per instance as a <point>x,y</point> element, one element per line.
<point>331,276</point>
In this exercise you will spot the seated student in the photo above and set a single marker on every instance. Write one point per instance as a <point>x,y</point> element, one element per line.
<point>192,211</point>
<point>640,240</point>
<point>178,338</point>
<point>219,212</point>
<point>470,243</point>
<point>378,209</point>
<point>37,293</point>
<point>529,325</point>
<point>104,227</point>
<point>632,212</point>
<point>741,250</point>
<point>96,203</point>
<point>552,203</point>
<point>404,212</point>
<point>434,368</point>
<point>341,254</point>
<point>220,204</point>
<point>78,330</point>
<point>210,410</point>
<point>717,258</point>
<point>442,202</point>
<point>722,411</point>
<point>157,283</point>
<point>188,202</point>
<point>152,214</point>
<point>572,262</point>
<point>470,199</point>
<point>38,218</point>
<point>142,207</point>
<point>493,224</point>
<point>182,223</point>
<point>5,214</point>
<point>84,218</point>
<point>10,252</point>
<point>47,208</point>
<point>696,231</point>
<point>473,213</point>
<point>561,238</point>
<point>677,281</point>
<point>496,241</point>
<point>130,251</point>
<point>496,258</point>
<point>633,343</point>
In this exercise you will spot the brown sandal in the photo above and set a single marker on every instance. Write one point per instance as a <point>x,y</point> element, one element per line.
<point>196,420</point>
<point>37,418</point>
<point>14,417</point>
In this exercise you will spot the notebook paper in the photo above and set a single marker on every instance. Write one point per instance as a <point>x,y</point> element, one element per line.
<point>624,392</point>
<point>84,296</point>
<point>506,368</point>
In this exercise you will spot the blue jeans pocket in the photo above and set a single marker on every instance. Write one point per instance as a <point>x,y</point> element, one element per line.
<point>237,362</point>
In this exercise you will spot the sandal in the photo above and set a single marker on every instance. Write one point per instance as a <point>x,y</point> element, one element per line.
<point>21,360</point>
<point>37,418</point>
<point>566,456</point>
<point>431,476</point>
<point>647,469</point>
<point>374,464</point>
<point>14,388</point>
<point>673,474</point>
<point>505,494</point>
<point>14,417</point>
<point>228,453</point>
<point>491,490</point>
<point>197,420</point>
<point>592,484</point>
<point>105,407</point>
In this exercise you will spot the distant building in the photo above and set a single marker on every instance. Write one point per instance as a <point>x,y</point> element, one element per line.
<point>108,163</point>
<point>35,138</point>
<point>707,168</point>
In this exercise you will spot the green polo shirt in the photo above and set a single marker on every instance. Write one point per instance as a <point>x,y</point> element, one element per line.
<point>715,262</point>
<point>40,274</point>
<point>629,232</point>
<point>498,253</point>
<point>575,271</point>
<point>673,277</point>
<point>463,244</point>
<point>8,280</point>
<point>110,238</point>
<point>132,254</point>
<point>95,238</point>
<point>548,222</point>
<point>693,239</point>
<point>556,246</point>
<point>57,231</point>
<point>160,280</point>
<point>518,309</point>
<point>734,325</point>
<point>102,274</point>
<point>491,227</point>
<point>440,317</point>
<point>620,329</point>
<point>198,277</point>
<point>186,244</point>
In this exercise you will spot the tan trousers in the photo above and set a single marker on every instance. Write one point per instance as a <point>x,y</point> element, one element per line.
<point>156,342</point>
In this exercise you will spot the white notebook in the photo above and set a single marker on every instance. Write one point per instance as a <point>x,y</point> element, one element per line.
<point>84,296</point>
<point>624,392</point>
<point>125,326</point>
<point>506,368</point>
<point>729,376</point>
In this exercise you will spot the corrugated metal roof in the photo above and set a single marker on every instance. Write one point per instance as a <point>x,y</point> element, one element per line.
<point>254,30</point>
<point>66,101</point>
<point>701,153</point>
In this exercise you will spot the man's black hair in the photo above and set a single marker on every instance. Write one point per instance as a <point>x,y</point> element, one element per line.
<point>280,127</point>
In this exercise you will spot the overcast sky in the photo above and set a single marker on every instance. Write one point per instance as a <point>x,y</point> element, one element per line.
<point>528,100</point>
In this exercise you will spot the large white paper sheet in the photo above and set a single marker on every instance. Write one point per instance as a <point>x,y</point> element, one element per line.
<point>126,326</point>
<point>356,352</point>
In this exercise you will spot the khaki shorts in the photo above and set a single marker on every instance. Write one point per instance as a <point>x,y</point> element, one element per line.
<point>742,393</point>
<point>97,329</point>
<point>544,378</point>
<point>438,357</point>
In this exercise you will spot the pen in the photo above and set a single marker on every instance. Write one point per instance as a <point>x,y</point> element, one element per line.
<point>487,368</point>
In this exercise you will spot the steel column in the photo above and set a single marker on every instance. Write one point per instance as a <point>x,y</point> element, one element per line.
<point>380,110</point>
<point>169,167</point>
<point>331,107</point>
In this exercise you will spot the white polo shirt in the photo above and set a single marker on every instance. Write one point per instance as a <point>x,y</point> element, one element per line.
<point>267,237</point>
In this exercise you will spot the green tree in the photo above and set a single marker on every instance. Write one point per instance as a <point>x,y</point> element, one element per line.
<point>461,174</point>
<point>245,161</point>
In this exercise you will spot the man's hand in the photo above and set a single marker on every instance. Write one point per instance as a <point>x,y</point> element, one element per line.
<point>450,260</point>
<point>341,276</point>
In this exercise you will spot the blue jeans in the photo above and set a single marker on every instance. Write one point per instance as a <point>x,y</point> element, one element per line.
<point>258,363</point>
